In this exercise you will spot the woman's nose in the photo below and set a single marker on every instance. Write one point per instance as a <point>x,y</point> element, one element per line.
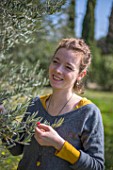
<point>59,69</point>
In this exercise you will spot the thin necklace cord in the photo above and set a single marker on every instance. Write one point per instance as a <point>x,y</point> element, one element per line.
<point>63,105</point>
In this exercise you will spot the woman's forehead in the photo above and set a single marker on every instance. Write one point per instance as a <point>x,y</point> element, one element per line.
<point>68,55</point>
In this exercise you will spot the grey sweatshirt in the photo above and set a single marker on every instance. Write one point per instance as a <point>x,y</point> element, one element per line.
<point>83,128</point>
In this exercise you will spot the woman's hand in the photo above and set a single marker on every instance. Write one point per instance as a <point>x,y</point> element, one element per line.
<point>47,136</point>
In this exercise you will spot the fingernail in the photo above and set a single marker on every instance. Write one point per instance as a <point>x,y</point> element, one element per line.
<point>38,123</point>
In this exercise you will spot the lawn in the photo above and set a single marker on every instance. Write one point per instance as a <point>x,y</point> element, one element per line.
<point>104,100</point>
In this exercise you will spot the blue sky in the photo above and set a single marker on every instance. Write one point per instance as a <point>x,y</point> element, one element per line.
<point>102,12</point>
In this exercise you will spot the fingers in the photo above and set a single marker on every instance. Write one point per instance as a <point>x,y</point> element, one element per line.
<point>38,134</point>
<point>47,136</point>
<point>44,127</point>
<point>40,129</point>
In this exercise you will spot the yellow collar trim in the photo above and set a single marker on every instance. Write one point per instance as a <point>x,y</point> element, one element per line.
<point>84,101</point>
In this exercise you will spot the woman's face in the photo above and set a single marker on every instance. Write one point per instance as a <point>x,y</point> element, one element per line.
<point>64,69</point>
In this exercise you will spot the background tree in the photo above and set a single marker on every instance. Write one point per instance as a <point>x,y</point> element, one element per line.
<point>66,21</point>
<point>70,25</point>
<point>20,19</point>
<point>89,22</point>
<point>106,43</point>
<point>88,34</point>
<point>20,23</point>
<point>24,28</point>
<point>109,37</point>
<point>106,51</point>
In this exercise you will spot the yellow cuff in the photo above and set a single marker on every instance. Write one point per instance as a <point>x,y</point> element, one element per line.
<point>68,153</point>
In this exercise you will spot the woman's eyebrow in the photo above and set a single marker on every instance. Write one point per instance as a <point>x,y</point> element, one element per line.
<point>56,58</point>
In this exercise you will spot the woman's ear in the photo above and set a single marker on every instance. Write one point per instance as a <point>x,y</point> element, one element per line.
<point>81,75</point>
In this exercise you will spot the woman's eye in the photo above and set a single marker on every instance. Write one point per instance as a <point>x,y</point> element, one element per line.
<point>69,68</point>
<point>55,61</point>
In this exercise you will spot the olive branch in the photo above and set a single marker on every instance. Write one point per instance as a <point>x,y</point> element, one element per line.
<point>13,129</point>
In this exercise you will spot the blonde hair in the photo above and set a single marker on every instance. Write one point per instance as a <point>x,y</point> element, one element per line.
<point>77,45</point>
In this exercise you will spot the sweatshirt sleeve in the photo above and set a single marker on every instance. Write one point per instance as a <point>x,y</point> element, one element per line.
<point>68,153</point>
<point>92,154</point>
<point>91,157</point>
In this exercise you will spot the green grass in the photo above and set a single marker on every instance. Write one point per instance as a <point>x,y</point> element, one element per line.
<point>104,100</point>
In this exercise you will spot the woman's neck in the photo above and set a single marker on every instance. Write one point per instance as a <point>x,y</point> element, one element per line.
<point>60,95</point>
<point>61,102</point>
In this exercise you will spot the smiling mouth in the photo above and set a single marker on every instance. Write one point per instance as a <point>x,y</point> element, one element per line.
<point>57,78</point>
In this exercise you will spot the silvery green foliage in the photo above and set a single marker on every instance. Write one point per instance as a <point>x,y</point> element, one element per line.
<point>14,128</point>
<point>19,79</point>
<point>16,89</point>
<point>20,19</point>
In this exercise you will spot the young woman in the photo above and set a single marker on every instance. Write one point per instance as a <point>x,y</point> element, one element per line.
<point>78,143</point>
